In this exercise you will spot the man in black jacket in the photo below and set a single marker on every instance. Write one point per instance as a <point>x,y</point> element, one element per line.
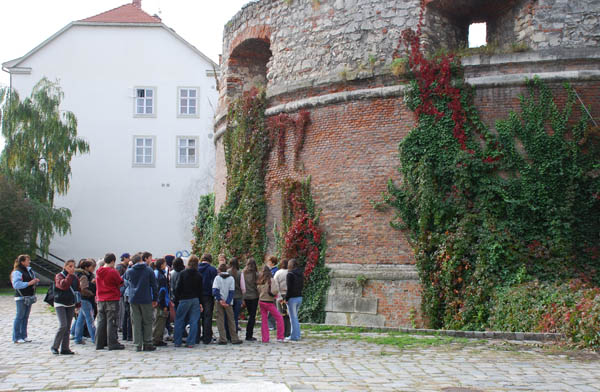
<point>188,292</point>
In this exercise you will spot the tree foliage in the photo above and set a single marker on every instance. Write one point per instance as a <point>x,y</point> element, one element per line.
<point>41,140</point>
<point>15,224</point>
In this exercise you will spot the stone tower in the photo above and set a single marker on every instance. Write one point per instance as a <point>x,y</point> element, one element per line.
<point>332,57</point>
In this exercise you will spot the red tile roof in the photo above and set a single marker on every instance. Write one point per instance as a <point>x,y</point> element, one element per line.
<point>127,13</point>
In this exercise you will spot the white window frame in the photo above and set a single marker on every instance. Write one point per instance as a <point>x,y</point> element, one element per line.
<point>134,151</point>
<point>187,115</point>
<point>154,101</point>
<point>177,152</point>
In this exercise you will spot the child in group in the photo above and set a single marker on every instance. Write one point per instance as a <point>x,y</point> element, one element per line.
<point>161,312</point>
<point>267,290</point>
<point>223,291</point>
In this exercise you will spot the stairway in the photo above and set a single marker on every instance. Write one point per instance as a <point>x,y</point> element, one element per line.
<point>47,267</point>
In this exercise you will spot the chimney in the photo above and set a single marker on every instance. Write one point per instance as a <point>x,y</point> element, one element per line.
<point>137,3</point>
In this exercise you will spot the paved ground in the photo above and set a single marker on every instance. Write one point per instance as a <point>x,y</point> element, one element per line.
<point>313,364</point>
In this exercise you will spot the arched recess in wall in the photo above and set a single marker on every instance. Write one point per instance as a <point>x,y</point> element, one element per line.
<point>248,65</point>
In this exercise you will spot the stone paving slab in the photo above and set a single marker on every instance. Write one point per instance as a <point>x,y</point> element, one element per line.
<point>314,364</point>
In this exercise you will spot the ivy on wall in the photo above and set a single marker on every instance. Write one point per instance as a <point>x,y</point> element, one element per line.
<point>239,227</point>
<point>485,210</point>
<point>301,238</point>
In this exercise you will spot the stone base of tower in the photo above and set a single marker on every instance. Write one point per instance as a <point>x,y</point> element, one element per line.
<point>373,295</point>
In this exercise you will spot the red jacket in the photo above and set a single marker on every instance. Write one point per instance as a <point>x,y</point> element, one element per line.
<point>108,282</point>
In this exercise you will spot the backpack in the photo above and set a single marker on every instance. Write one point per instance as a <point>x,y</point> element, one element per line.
<point>49,298</point>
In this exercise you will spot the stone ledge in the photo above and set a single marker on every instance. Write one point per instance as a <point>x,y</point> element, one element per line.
<point>518,336</point>
<point>374,272</point>
<point>533,56</point>
<point>519,79</point>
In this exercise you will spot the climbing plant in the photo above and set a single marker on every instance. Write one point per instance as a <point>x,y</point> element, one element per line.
<point>204,225</point>
<point>240,225</point>
<point>482,209</point>
<point>304,240</point>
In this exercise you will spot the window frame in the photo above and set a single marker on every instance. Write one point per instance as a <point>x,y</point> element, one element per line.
<point>178,102</point>
<point>177,161</point>
<point>154,102</point>
<point>134,163</point>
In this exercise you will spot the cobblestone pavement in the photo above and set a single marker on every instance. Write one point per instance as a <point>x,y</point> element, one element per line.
<point>313,364</point>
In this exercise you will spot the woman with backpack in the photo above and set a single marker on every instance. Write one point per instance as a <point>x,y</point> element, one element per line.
<point>23,281</point>
<point>66,296</point>
<point>87,284</point>
<point>267,292</point>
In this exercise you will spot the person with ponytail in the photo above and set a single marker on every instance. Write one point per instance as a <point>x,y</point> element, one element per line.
<point>23,281</point>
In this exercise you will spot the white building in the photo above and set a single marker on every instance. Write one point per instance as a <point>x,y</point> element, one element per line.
<point>144,99</point>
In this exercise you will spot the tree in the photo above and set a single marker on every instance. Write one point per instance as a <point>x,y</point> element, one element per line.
<point>15,225</point>
<point>41,140</point>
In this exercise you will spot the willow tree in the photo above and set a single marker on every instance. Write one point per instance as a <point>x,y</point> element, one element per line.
<point>41,140</point>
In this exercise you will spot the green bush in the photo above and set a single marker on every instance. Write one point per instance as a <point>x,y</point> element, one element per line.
<point>571,308</point>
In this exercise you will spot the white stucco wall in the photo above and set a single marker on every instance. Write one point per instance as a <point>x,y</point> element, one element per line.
<point>117,207</point>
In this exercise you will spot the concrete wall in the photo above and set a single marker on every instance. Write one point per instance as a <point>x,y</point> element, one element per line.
<point>117,207</point>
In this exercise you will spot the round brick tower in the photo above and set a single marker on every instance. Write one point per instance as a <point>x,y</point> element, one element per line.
<point>332,58</point>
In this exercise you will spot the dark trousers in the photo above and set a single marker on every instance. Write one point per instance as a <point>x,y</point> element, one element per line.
<point>126,321</point>
<point>106,324</point>
<point>251,306</point>
<point>208,305</point>
<point>65,317</point>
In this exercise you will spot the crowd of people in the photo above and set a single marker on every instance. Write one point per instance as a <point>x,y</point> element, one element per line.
<point>152,301</point>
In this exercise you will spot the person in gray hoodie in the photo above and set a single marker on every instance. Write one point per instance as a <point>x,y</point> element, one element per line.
<point>143,296</point>
<point>223,290</point>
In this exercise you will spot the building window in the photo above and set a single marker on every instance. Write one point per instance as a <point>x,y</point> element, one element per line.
<point>145,101</point>
<point>187,101</point>
<point>144,151</point>
<point>187,151</point>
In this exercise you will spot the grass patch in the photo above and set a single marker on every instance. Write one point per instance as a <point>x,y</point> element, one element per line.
<point>9,291</point>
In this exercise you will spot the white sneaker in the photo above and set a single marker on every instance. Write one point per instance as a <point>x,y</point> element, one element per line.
<point>20,341</point>
<point>280,340</point>
<point>287,339</point>
<point>27,340</point>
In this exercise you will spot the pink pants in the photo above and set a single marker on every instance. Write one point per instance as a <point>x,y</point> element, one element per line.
<point>265,309</point>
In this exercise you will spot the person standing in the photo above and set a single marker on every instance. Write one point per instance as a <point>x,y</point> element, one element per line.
<point>23,281</point>
<point>143,294</point>
<point>249,275</point>
<point>272,264</point>
<point>161,313</point>
<point>88,297</point>
<point>189,292</point>
<point>123,319</point>
<point>209,273</point>
<point>280,280</point>
<point>240,288</point>
<point>66,285</point>
<point>109,283</point>
<point>267,293</point>
<point>223,290</point>
<point>293,297</point>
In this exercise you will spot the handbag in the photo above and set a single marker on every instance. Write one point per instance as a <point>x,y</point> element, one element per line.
<point>77,295</point>
<point>49,298</point>
<point>28,300</point>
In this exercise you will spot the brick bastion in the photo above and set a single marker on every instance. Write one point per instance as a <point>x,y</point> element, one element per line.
<point>332,58</point>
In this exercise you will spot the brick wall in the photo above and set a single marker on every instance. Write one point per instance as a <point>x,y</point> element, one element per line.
<point>350,150</point>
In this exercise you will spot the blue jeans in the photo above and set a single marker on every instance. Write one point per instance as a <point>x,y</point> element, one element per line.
<point>187,308</point>
<point>293,306</point>
<point>21,319</point>
<point>86,315</point>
